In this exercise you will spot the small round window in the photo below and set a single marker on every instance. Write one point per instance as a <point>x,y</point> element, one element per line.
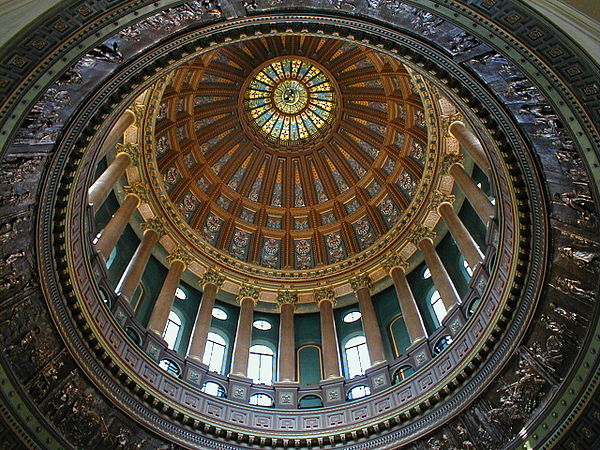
<point>218,313</point>
<point>180,294</point>
<point>426,273</point>
<point>352,317</point>
<point>261,325</point>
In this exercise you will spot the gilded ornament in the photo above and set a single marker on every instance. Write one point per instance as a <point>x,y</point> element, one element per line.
<point>325,294</point>
<point>449,119</point>
<point>248,291</point>
<point>439,197</point>
<point>286,297</point>
<point>211,276</point>
<point>420,232</point>
<point>154,224</point>
<point>360,282</point>
<point>138,110</point>
<point>180,254</point>
<point>130,149</point>
<point>449,160</point>
<point>393,261</point>
<point>138,189</point>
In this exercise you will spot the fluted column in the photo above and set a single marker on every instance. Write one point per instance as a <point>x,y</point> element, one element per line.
<point>464,240</point>
<point>211,282</point>
<point>152,231</point>
<point>286,359</point>
<point>408,306</point>
<point>479,201</point>
<point>98,192</point>
<point>178,260</point>
<point>471,144</point>
<point>423,238</point>
<point>136,193</point>
<point>362,287</point>
<point>325,299</point>
<point>247,298</point>
<point>125,121</point>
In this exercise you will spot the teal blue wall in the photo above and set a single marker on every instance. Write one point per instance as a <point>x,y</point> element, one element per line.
<point>307,330</point>
<point>387,309</point>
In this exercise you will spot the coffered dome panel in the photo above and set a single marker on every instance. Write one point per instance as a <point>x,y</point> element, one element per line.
<point>291,152</point>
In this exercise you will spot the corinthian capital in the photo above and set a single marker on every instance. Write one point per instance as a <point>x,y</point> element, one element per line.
<point>138,189</point>
<point>132,150</point>
<point>179,254</point>
<point>420,232</point>
<point>286,297</point>
<point>360,282</point>
<point>248,291</point>
<point>154,224</point>
<point>394,260</point>
<point>325,294</point>
<point>211,276</point>
<point>438,198</point>
<point>449,160</point>
<point>138,110</point>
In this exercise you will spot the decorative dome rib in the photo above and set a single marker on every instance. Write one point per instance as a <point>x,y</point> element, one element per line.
<point>292,153</point>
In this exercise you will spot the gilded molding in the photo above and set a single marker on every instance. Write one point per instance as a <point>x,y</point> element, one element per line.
<point>138,110</point>
<point>450,159</point>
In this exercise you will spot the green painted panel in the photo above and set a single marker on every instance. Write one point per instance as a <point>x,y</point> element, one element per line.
<point>398,334</point>
<point>309,366</point>
<point>307,329</point>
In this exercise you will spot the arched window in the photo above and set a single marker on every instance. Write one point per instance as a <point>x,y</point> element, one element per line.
<point>170,366</point>
<point>473,306</point>
<point>172,330</point>
<point>438,306</point>
<point>402,374</point>
<point>358,392</point>
<point>261,400</point>
<point>357,356</point>
<point>97,237</point>
<point>441,344</point>
<point>310,401</point>
<point>214,353</point>
<point>260,364</point>
<point>111,258</point>
<point>214,389</point>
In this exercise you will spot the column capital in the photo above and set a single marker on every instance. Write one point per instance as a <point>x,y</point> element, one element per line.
<point>393,261</point>
<point>438,198</point>
<point>325,294</point>
<point>449,160</point>
<point>138,110</point>
<point>154,224</point>
<point>286,297</point>
<point>180,254</point>
<point>211,276</point>
<point>419,233</point>
<point>132,150</point>
<point>138,189</point>
<point>248,291</point>
<point>449,119</point>
<point>361,281</point>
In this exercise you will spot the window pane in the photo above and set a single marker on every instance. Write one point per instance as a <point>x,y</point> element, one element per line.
<point>260,364</point>
<point>172,330</point>
<point>357,356</point>
<point>352,317</point>
<point>214,354</point>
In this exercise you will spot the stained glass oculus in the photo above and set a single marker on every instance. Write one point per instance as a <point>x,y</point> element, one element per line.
<point>290,101</point>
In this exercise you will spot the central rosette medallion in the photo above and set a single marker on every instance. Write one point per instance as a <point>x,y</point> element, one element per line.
<point>290,101</point>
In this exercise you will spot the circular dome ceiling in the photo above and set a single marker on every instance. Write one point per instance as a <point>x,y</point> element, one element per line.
<point>290,102</point>
<point>287,153</point>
